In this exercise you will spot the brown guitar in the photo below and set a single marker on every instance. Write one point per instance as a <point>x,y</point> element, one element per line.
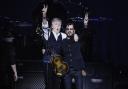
<point>60,67</point>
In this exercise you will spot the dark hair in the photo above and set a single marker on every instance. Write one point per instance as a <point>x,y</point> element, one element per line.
<point>70,22</point>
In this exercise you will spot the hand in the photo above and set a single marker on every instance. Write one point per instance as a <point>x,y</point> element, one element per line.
<point>86,20</point>
<point>84,73</point>
<point>76,38</point>
<point>44,9</point>
<point>43,51</point>
<point>44,20</point>
<point>15,77</point>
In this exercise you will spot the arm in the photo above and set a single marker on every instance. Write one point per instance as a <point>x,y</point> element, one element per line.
<point>45,25</point>
<point>84,28</point>
<point>76,37</point>
<point>83,71</point>
<point>13,62</point>
<point>44,17</point>
<point>86,20</point>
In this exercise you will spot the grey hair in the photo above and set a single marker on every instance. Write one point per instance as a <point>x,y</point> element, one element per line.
<point>56,19</point>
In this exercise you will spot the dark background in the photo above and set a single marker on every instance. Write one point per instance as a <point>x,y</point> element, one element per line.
<point>108,53</point>
<point>109,36</point>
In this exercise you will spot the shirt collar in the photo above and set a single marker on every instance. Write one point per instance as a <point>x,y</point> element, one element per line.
<point>56,33</point>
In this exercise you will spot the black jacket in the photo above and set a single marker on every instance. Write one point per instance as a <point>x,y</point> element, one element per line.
<point>72,54</point>
<point>7,57</point>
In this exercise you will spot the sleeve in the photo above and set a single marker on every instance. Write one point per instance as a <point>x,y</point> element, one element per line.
<point>83,63</point>
<point>46,33</point>
<point>63,35</point>
<point>12,56</point>
<point>62,49</point>
<point>45,24</point>
<point>44,44</point>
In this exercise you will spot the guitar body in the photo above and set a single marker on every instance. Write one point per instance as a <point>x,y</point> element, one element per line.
<point>60,67</point>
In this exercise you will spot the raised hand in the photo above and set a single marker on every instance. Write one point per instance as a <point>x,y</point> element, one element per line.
<point>86,20</point>
<point>44,13</point>
<point>44,10</point>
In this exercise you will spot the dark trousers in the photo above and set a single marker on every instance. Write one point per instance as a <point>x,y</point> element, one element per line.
<point>78,80</point>
<point>51,80</point>
<point>7,82</point>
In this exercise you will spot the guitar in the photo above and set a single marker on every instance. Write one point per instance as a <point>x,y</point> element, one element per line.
<point>60,67</point>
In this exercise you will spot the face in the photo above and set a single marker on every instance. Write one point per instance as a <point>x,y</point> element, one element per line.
<point>56,25</point>
<point>70,31</point>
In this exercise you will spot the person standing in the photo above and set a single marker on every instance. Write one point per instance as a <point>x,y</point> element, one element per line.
<point>8,71</point>
<point>52,40</point>
<point>71,53</point>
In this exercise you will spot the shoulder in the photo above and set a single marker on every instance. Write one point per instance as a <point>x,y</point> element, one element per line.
<point>63,35</point>
<point>64,41</point>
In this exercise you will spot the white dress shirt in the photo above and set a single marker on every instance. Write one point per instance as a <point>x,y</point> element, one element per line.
<point>47,32</point>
